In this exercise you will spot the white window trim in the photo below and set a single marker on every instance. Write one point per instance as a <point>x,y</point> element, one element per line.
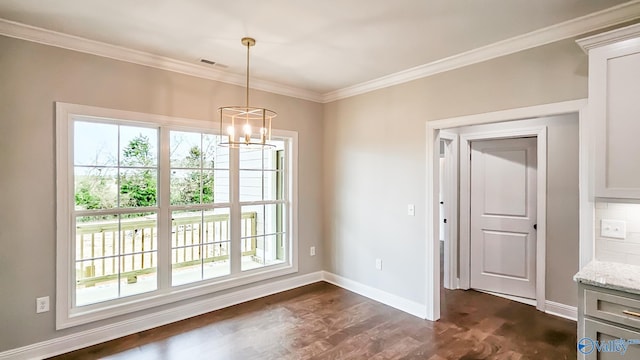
<point>66,315</point>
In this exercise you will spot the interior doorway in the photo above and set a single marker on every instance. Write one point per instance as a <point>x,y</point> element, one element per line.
<point>448,208</point>
<point>536,271</point>
<point>498,121</point>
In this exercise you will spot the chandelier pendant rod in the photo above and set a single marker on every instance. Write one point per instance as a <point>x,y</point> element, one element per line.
<point>248,42</point>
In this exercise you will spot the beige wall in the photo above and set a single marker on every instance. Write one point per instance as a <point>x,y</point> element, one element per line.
<point>362,160</point>
<point>32,78</point>
<point>375,160</point>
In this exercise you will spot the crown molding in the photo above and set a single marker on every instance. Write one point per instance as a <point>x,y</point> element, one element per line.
<point>598,20</point>
<point>609,37</point>
<point>80,44</point>
<point>568,29</point>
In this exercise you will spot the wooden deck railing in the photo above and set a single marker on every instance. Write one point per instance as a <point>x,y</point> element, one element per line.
<point>106,248</point>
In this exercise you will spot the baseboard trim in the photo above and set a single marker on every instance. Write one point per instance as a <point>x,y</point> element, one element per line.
<point>550,307</point>
<point>561,310</point>
<point>101,334</point>
<point>395,301</point>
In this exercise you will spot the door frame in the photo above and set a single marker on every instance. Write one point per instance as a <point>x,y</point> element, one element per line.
<point>540,133</point>
<point>450,198</point>
<point>432,229</point>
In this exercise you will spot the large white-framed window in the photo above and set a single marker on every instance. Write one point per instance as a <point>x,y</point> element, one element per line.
<point>150,210</point>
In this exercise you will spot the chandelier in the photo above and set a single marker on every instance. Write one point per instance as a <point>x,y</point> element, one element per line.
<point>246,126</point>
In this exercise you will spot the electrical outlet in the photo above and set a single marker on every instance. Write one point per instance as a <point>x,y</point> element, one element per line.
<point>613,228</point>
<point>411,210</point>
<point>312,251</point>
<point>379,264</point>
<point>42,304</point>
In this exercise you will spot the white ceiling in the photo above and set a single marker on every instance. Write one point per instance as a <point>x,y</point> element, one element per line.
<point>321,46</point>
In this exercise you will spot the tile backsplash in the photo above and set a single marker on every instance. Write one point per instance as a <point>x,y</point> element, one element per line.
<point>626,250</point>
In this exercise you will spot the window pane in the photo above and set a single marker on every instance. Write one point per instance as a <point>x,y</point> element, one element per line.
<point>262,158</point>
<point>261,185</point>
<point>199,186</point>
<point>142,280</point>
<point>217,244</point>
<point>195,150</point>
<point>250,185</point>
<point>216,262</point>
<point>216,226</point>
<point>97,237</point>
<point>250,158</point>
<point>139,233</point>
<point>263,251</point>
<point>185,271</point>
<point>185,228</point>
<point>272,185</point>
<point>95,144</point>
<point>214,156</point>
<point>271,155</point>
<point>221,186</point>
<point>259,250</point>
<point>202,184</point>
<point>101,270</point>
<point>200,245</point>
<point>185,150</point>
<point>262,220</point>
<point>261,174</point>
<point>185,187</point>
<point>95,188</point>
<point>91,287</point>
<point>138,187</point>
<point>139,146</point>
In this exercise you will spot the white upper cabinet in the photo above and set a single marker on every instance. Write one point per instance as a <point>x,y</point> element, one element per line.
<point>614,111</point>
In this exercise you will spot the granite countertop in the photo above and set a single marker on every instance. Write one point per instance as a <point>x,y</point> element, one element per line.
<point>610,275</point>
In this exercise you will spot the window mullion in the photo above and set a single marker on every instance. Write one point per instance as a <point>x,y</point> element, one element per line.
<point>236,210</point>
<point>164,213</point>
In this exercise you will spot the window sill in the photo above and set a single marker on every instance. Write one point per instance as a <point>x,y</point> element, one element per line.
<point>90,313</point>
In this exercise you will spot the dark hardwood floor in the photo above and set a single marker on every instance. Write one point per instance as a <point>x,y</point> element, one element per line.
<point>322,321</point>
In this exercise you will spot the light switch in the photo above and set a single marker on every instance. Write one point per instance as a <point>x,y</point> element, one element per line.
<point>411,210</point>
<point>613,229</point>
<point>378,264</point>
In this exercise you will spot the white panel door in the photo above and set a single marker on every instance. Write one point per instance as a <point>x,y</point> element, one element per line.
<point>503,215</point>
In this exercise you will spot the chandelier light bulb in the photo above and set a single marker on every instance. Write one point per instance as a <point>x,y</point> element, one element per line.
<point>263,135</point>
<point>247,133</point>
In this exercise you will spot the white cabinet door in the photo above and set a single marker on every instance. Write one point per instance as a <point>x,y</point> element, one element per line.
<point>603,341</point>
<point>614,107</point>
